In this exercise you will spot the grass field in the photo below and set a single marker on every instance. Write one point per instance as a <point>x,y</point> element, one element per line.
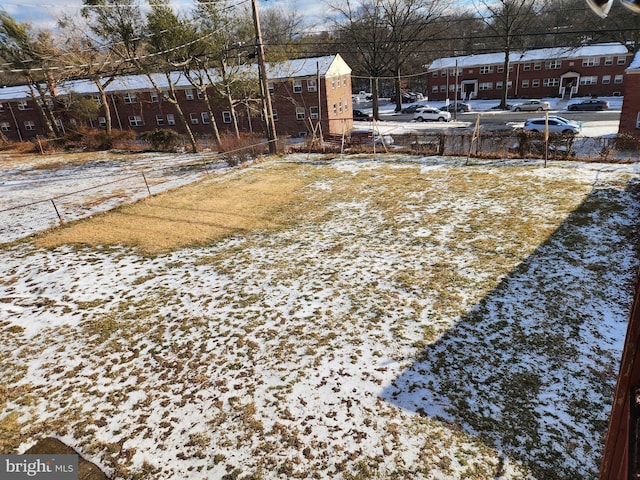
<point>315,317</point>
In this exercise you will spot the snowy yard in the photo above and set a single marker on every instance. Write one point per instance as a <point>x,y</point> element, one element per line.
<point>406,318</point>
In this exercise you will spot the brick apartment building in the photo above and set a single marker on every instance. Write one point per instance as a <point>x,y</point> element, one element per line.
<point>630,114</point>
<point>564,72</point>
<point>303,93</point>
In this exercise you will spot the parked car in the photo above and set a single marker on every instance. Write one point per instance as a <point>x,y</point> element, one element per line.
<point>360,115</point>
<point>412,108</point>
<point>409,97</point>
<point>367,137</point>
<point>556,125</point>
<point>459,107</point>
<point>531,106</point>
<point>591,104</point>
<point>430,114</point>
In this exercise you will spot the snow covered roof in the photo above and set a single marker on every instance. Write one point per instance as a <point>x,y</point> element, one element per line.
<point>635,62</point>
<point>305,67</point>
<point>540,54</point>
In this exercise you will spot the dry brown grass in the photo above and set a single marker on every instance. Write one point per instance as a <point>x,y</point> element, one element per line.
<point>214,208</point>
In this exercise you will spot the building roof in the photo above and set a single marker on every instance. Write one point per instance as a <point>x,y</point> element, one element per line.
<point>635,63</point>
<point>540,54</point>
<point>305,67</point>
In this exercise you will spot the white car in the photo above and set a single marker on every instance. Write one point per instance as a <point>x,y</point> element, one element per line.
<point>430,114</point>
<point>556,125</point>
<point>531,106</point>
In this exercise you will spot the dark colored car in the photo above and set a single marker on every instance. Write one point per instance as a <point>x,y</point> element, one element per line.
<point>591,104</point>
<point>459,107</point>
<point>360,115</point>
<point>412,108</point>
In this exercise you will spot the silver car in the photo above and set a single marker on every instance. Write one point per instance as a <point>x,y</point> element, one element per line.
<point>556,125</point>
<point>531,106</point>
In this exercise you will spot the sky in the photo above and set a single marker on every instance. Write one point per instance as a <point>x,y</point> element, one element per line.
<point>45,13</point>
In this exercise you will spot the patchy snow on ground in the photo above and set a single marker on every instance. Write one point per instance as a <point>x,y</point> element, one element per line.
<point>445,321</point>
<point>38,192</point>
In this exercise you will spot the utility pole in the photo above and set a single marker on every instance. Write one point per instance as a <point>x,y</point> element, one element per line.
<point>267,109</point>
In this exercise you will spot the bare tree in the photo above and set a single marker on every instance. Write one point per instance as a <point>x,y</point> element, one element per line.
<point>33,55</point>
<point>170,41</point>
<point>508,20</point>
<point>364,33</point>
<point>222,62</point>
<point>412,24</point>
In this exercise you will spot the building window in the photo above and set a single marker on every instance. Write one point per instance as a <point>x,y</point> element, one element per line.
<point>525,83</point>
<point>159,120</point>
<point>443,88</point>
<point>200,94</point>
<point>194,118</point>
<point>553,64</point>
<point>344,80</point>
<point>500,69</point>
<point>1,107</point>
<point>551,82</point>
<point>638,120</point>
<point>499,85</point>
<point>171,119</point>
<point>312,86</point>
<point>272,88</point>
<point>537,66</point>
<point>606,79</point>
<point>434,74</point>
<point>5,127</point>
<point>297,86</point>
<point>434,89</point>
<point>591,62</point>
<point>226,117</point>
<point>618,79</point>
<point>314,113</point>
<point>526,67</point>
<point>206,119</point>
<point>535,83</point>
<point>189,94</point>
<point>154,97</point>
<point>22,105</point>
<point>275,115</point>
<point>485,86</point>
<point>130,98</point>
<point>622,60</point>
<point>335,109</point>
<point>443,73</point>
<point>300,113</point>
<point>592,80</point>
<point>608,61</point>
<point>29,125</point>
<point>136,121</point>
<point>486,69</point>
<point>102,121</point>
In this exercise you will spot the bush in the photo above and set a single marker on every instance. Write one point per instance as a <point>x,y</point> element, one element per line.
<point>236,151</point>
<point>161,139</point>
<point>626,141</point>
